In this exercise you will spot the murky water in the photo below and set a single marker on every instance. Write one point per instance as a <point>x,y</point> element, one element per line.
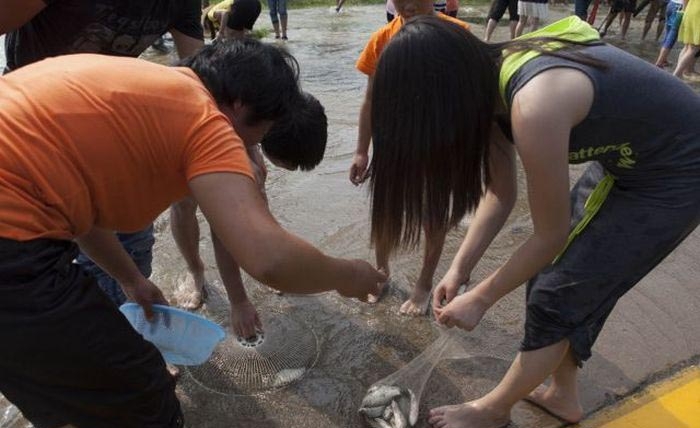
<point>358,344</point>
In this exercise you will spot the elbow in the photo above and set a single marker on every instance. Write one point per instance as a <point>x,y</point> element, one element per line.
<point>551,242</point>
<point>556,242</point>
<point>265,269</point>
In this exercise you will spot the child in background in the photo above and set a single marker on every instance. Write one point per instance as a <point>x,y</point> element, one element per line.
<point>498,8</point>
<point>231,19</point>
<point>417,303</point>
<point>532,13</point>
<point>627,7</point>
<point>278,16</point>
<point>672,26</point>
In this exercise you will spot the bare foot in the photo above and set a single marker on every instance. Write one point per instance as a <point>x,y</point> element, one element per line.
<point>467,415</point>
<point>417,304</point>
<point>191,293</point>
<point>558,404</point>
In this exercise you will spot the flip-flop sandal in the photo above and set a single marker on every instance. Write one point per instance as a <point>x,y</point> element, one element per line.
<point>549,412</point>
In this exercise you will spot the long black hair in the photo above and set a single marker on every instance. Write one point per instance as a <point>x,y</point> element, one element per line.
<point>260,76</point>
<point>433,105</point>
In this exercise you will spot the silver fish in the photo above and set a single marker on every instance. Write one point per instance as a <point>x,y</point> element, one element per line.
<point>399,420</point>
<point>387,406</point>
<point>414,407</point>
<point>372,412</point>
<point>380,395</point>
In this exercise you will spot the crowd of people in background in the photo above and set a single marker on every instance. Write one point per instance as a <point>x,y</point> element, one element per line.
<point>675,20</point>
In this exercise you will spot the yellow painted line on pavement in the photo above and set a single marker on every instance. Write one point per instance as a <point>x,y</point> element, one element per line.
<point>671,403</point>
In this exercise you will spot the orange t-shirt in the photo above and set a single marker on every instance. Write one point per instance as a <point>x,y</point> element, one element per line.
<point>96,140</point>
<point>367,62</point>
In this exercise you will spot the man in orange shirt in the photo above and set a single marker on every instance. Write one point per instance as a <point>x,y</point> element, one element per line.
<point>367,63</point>
<point>80,159</point>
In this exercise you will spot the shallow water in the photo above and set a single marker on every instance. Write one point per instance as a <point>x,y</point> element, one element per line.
<point>357,344</point>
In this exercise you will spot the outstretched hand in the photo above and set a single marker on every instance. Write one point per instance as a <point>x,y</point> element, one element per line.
<point>366,279</point>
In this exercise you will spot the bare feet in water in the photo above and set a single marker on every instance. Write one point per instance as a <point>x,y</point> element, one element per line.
<point>192,292</point>
<point>467,415</point>
<point>557,403</point>
<point>417,304</point>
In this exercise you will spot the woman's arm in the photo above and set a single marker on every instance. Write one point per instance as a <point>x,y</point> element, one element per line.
<point>489,217</point>
<point>544,112</point>
<point>238,215</point>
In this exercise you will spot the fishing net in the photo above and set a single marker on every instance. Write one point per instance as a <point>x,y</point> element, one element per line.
<point>286,350</point>
<point>393,402</point>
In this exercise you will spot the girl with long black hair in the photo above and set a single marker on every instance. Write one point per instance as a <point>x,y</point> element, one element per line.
<point>560,96</point>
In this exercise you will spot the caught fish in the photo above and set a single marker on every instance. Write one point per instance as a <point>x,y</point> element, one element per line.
<point>387,406</point>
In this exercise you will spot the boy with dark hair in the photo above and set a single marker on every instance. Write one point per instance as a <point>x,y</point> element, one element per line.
<point>295,142</point>
<point>299,141</point>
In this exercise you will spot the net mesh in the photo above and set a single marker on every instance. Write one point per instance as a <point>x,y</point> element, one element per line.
<point>274,359</point>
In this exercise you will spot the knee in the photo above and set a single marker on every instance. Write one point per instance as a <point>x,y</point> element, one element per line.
<point>548,309</point>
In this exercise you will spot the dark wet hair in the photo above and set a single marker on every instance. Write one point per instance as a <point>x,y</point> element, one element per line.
<point>299,139</point>
<point>260,76</point>
<point>433,103</point>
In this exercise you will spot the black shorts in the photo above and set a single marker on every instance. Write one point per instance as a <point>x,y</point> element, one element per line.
<point>624,6</point>
<point>631,233</point>
<point>243,15</point>
<point>68,356</point>
<point>498,8</point>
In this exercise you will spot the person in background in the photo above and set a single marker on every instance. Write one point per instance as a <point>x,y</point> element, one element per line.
<point>657,8</point>
<point>278,16</point>
<point>581,8</point>
<point>531,13</point>
<point>627,7</point>
<point>452,8</point>
<point>689,34</point>
<point>498,8</point>
<point>555,97</point>
<point>75,359</point>
<point>367,63</point>
<point>231,19</point>
<point>671,35</point>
